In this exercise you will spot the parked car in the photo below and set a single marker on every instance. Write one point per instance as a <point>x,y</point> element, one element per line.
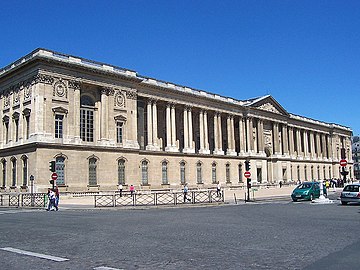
<point>307,191</point>
<point>350,193</point>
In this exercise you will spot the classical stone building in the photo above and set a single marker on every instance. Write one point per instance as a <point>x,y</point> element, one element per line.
<point>105,125</point>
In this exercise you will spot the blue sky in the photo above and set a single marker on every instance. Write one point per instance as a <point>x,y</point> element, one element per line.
<point>306,54</point>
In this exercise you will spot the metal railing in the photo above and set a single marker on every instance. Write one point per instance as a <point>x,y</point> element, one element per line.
<point>23,200</point>
<point>158,198</point>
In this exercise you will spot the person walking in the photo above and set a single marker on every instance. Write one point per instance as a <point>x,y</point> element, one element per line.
<point>120,189</point>
<point>51,197</point>
<point>132,190</point>
<point>186,190</point>
<point>218,190</point>
<point>57,198</point>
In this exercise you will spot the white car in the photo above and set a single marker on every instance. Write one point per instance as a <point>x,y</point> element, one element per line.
<point>350,193</point>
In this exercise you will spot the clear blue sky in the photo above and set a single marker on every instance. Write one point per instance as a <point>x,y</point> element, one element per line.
<point>306,54</point>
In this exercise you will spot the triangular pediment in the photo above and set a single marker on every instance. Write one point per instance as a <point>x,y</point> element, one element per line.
<point>268,103</point>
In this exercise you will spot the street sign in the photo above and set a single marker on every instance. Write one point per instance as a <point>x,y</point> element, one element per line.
<point>247,174</point>
<point>343,162</point>
<point>54,176</point>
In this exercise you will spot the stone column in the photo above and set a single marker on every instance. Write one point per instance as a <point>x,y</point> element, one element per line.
<point>298,142</point>
<point>251,132</point>
<point>306,151</point>
<point>242,144</point>
<point>201,128</point>
<point>186,130</point>
<point>206,136</point>
<point>312,146</point>
<point>260,135</point>
<point>248,135</point>
<point>154,118</point>
<point>216,140</point>
<point>291,140</point>
<point>323,143</point>
<point>192,150</point>
<point>103,114</point>
<point>168,128</point>
<point>218,135</point>
<point>276,138</point>
<point>149,126</point>
<point>230,136</point>
<point>318,145</point>
<point>76,108</point>
<point>173,128</point>
<point>285,139</point>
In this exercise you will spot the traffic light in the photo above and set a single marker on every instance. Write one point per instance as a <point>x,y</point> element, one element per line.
<point>52,183</point>
<point>52,166</point>
<point>247,165</point>
<point>248,183</point>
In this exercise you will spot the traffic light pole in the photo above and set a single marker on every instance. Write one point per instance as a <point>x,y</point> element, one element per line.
<point>248,189</point>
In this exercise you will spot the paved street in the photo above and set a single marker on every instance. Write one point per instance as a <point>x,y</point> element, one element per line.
<point>276,235</point>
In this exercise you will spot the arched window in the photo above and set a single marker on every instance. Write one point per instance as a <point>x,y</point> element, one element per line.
<point>87,118</point>
<point>3,172</point>
<point>25,170</point>
<point>60,170</point>
<point>199,173</point>
<point>227,173</point>
<point>144,172</point>
<point>121,171</point>
<point>182,173</point>
<point>213,173</point>
<point>164,172</point>
<point>305,172</point>
<point>13,161</point>
<point>92,172</point>
<point>318,173</point>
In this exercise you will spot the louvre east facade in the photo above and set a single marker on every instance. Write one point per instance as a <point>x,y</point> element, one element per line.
<point>104,125</point>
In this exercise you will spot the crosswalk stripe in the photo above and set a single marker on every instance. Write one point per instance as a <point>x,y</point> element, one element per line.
<point>33,254</point>
<point>106,268</point>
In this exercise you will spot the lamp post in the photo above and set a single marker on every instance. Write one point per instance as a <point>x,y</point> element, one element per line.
<point>32,189</point>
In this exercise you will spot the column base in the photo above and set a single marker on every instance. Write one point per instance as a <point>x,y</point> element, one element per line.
<point>171,149</point>
<point>153,148</point>
<point>204,151</point>
<point>219,152</point>
<point>231,153</point>
<point>189,150</point>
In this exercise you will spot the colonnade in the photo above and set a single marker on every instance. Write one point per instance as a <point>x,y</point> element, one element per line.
<point>239,134</point>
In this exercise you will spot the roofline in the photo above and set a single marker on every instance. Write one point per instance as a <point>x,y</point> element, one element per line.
<point>41,53</point>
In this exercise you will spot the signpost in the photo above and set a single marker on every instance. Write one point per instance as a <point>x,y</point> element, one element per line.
<point>343,162</point>
<point>54,176</point>
<point>247,175</point>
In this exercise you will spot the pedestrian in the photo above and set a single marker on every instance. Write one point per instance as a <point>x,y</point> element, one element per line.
<point>280,184</point>
<point>51,197</point>
<point>120,189</point>
<point>218,190</point>
<point>186,189</point>
<point>57,197</point>
<point>132,190</point>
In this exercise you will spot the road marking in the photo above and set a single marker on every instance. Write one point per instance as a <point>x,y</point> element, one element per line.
<point>105,268</point>
<point>43,256</point>
<point>17,211</point>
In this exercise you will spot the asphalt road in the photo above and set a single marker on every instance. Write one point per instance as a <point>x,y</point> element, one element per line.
<point>276,235</point>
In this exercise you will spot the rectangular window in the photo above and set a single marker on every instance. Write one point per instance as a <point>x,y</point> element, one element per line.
<point>119,132</point>
<point>14,173</point>
<point>87,125</point>
<point>7,132</point>
<point>25,172</point>
<point>4,173</point>
<point>164,174</point>
<point>27,119</point>
<point>59,126</point>
<point>16,130</point>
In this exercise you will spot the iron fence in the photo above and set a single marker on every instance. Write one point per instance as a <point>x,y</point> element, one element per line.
<point>23,200</point>
<point>158,198</point>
